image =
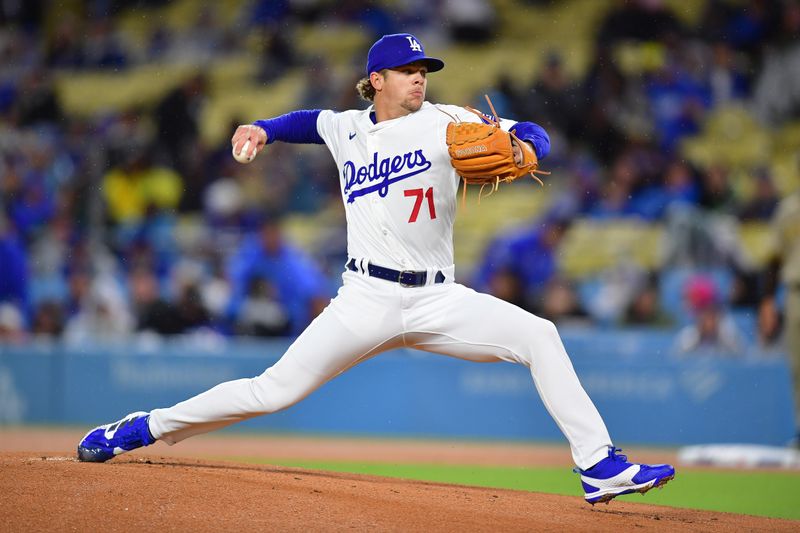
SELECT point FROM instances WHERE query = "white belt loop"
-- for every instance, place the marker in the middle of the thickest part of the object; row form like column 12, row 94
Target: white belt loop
column 431, row 278
column 449, row 273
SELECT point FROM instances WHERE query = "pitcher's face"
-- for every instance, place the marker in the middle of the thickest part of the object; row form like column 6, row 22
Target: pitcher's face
column 404, row 86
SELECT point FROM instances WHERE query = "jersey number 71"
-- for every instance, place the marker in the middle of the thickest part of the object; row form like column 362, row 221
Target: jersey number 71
column 418, row 194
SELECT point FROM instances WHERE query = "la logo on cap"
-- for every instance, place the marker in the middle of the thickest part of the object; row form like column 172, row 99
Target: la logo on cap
column 413, row 44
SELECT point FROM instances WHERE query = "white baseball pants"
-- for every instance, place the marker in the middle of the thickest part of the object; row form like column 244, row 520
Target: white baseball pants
column 370, row 316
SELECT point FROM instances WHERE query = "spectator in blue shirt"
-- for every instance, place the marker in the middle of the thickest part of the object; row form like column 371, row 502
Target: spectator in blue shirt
column 528, row 255
column 13, row 267
column 300, row 285
column 678, row 104
column 679, row 186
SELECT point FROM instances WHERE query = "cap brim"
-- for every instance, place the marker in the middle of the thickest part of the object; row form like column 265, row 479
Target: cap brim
column 432, row 63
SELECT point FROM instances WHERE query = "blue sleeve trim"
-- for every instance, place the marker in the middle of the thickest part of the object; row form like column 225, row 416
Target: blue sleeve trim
column 295, row 127
column 535, row 134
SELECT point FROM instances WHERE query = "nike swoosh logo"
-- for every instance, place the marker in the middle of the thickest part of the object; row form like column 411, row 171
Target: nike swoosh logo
column 623, row 479
column 352, row 135
column 111, row 430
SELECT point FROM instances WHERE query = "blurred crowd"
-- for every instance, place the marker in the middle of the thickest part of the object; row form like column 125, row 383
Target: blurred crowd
column 128, row 223
column 624, row 135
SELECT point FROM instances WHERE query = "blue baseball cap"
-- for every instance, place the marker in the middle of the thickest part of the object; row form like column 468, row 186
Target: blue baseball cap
column 396, row 50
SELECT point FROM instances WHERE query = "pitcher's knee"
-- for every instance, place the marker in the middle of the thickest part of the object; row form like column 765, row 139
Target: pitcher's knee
column 542, row 328
column 549, row 329
column 271, row 395
column 539, row 337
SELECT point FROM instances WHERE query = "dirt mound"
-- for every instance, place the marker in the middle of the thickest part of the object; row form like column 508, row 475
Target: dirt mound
column 54, row 492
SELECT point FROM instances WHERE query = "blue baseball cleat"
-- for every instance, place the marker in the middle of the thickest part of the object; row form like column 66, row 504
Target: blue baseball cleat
column 614, row 476
column 105, row 442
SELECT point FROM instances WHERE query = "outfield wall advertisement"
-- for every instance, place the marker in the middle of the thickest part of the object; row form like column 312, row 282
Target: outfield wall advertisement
column 646, row 395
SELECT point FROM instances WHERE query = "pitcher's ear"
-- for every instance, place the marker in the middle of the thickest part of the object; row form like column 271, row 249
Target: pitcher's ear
column 376, row 79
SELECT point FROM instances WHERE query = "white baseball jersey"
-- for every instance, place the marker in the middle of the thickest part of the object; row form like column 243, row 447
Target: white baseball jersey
column 398, row 186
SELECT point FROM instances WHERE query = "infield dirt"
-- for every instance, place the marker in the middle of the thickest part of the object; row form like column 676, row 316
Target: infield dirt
column 46, row 489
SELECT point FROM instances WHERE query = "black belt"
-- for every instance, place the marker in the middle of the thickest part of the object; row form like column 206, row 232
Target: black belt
column 406, row 278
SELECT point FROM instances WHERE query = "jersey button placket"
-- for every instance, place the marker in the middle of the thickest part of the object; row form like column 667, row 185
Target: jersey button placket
column 373, row 146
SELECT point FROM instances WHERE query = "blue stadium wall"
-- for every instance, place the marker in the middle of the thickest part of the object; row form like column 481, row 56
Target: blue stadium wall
column 646, row 395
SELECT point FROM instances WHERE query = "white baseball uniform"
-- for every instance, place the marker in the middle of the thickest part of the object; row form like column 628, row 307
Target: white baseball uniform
column 399, row 192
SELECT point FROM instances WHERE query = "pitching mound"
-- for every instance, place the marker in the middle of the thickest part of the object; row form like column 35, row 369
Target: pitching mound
column 54, row 492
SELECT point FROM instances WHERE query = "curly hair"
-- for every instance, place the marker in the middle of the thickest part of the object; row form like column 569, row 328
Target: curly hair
column 365, row 89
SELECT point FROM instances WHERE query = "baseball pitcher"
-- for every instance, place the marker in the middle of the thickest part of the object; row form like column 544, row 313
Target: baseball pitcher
column 400, row 162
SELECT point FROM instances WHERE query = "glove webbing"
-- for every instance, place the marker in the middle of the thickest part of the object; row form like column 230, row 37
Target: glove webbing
column 495, row 121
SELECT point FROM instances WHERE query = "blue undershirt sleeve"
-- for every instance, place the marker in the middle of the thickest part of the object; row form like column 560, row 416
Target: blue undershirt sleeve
column 535, row 134
column 295, row 127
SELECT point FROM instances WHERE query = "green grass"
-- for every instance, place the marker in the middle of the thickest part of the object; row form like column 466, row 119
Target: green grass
column 775, row 494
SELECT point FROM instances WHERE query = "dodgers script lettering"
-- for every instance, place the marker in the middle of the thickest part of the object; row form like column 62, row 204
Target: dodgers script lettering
column 385, row 171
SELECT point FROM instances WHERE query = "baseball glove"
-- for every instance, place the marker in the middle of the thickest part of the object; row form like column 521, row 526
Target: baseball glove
column 483, row 154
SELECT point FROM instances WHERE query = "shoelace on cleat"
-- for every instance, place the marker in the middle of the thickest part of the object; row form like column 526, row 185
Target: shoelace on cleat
column 612, row 454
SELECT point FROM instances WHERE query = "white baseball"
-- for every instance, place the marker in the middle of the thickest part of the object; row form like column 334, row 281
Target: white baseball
column 241, row 157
